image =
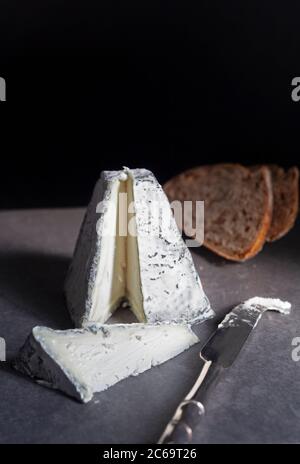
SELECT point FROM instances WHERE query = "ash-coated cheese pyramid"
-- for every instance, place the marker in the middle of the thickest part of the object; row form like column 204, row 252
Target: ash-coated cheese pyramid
column 146, row 263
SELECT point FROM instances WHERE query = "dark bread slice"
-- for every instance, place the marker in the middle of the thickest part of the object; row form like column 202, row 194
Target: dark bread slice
column 286, row 201
column 238, row 206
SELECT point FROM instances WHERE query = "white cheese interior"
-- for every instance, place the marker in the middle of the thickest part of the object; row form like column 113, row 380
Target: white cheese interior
column 110, row 281
column 118, row 274
column 99, row 356
column 133, row 277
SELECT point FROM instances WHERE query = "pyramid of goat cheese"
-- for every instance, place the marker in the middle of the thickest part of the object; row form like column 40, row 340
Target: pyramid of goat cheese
column 80, row 362
column 150, row 265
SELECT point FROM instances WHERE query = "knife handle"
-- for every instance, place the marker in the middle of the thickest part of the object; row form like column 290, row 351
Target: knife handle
column 180, row 428
column 190, row 411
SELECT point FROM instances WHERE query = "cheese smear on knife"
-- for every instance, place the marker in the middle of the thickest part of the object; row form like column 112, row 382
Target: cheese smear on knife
column 150, row 266
column 81, row 362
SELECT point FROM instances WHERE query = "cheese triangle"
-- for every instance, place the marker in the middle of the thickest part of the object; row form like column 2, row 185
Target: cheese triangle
column 81, row 362
column 130, row 255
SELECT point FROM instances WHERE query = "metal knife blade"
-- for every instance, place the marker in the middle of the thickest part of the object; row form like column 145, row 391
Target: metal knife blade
column 219, row 352
column 227, row 341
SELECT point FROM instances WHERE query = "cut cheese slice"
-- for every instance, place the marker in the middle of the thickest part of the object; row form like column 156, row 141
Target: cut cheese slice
column 149, row 265
column 81, row 362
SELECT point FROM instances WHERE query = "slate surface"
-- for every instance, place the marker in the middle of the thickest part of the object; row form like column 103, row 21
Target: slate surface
column 258, row 399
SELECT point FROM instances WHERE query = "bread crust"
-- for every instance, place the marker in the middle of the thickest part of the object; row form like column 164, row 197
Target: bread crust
column 286, row 201
column 257, row 244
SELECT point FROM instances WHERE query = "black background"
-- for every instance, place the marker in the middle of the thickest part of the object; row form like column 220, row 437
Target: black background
column 163, row 85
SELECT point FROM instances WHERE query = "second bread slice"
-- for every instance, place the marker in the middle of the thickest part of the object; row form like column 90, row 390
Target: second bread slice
column 286, row 201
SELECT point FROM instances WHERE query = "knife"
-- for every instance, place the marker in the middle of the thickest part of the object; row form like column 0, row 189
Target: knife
column 218, row 354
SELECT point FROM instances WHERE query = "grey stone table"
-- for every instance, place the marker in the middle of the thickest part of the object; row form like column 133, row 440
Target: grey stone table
column 258, row 399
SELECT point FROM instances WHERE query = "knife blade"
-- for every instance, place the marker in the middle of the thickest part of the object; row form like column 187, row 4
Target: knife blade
column 218, row 354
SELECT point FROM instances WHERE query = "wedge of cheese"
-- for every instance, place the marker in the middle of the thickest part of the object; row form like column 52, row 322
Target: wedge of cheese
column 81, row 362
column 129, row 247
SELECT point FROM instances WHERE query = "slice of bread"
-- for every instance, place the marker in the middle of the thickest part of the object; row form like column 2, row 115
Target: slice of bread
column 238, row 206
column 286, row 201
